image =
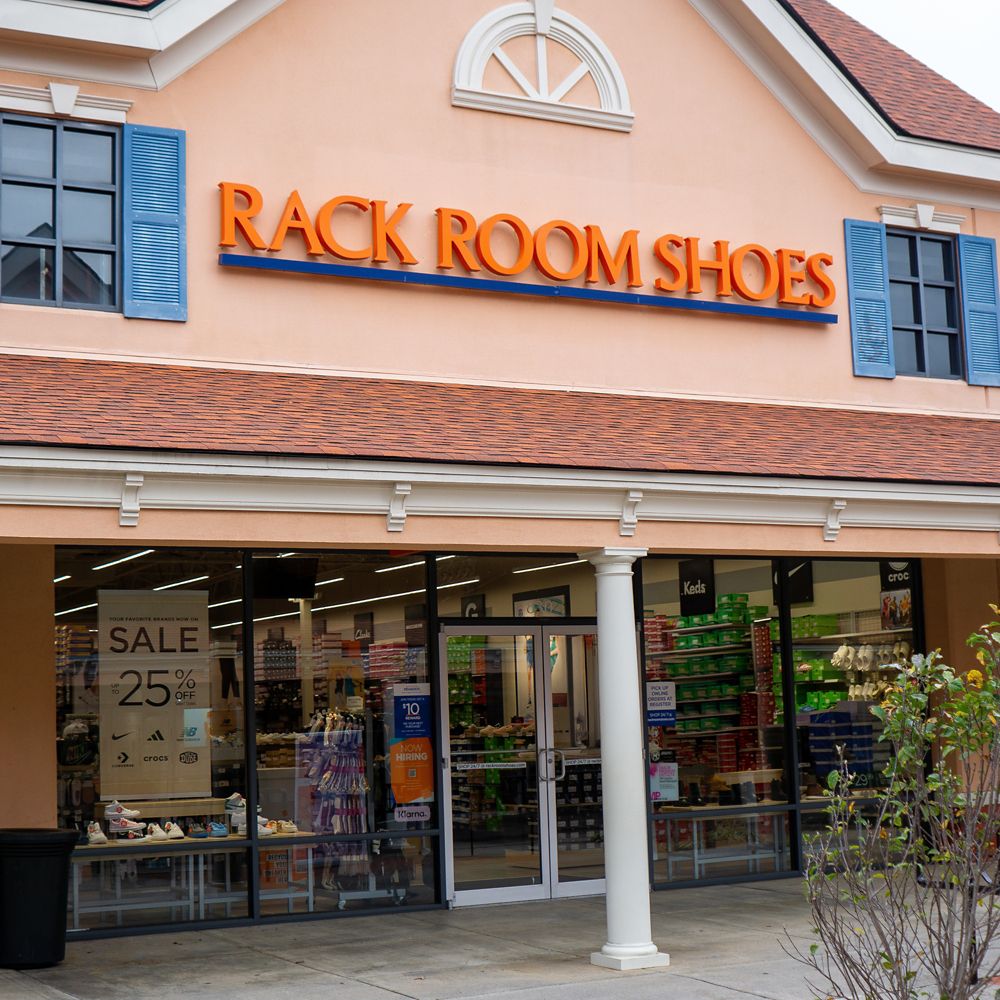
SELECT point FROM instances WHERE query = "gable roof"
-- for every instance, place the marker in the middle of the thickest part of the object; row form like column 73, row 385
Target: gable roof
column 912, row 98
column 83, row 403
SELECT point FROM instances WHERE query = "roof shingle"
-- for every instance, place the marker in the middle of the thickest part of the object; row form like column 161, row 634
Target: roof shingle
column 70, row 402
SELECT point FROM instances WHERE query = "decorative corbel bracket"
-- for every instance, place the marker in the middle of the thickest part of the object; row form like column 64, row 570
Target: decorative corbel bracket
column 396, row 519
column 630, row 513
column 832, row 527
column 128, row 509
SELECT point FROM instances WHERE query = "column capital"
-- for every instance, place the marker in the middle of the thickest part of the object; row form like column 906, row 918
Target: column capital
column 614, row 556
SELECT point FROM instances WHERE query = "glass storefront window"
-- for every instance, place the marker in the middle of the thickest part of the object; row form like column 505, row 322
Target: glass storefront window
column 717, row 757
column 149, row 733
column 344, row 727
column 851, row 622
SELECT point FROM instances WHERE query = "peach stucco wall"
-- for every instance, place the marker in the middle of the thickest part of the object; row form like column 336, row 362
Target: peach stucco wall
column 957, row 595
column 353, row 97
column 28, row 682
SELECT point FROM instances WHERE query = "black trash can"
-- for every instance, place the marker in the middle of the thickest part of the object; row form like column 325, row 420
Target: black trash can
column 34, row 881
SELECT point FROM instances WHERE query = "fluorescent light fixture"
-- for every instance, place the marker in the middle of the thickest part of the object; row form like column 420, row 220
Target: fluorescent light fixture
column 124, row 559
column 538, row 569
column 410, row 565
column 182, row 583
column 323, row 583
column 351, row 604
column 82, row 607
column 444, row 558
column 285, row 555
column 59, row 579
column 222, row 604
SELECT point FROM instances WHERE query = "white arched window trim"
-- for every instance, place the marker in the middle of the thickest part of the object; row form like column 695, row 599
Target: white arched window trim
column 542, row 99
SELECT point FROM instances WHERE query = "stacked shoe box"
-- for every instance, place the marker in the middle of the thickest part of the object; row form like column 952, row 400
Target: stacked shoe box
column 580, row 822
column 827, row 731
column 386, row 659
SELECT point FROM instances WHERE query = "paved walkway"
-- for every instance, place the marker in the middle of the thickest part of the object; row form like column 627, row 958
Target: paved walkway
column 723, row 943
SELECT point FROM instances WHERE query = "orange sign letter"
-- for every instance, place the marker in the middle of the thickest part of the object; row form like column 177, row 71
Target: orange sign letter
column 525, row 244
column 234, row 218
column 767, row 262
column 814, row 267
column 384, row 233
column 627, row 255
column 664, row 255
column 296, row 217
column 324, row 219
column 579, row 242
column 449, row 241
column 720, row 264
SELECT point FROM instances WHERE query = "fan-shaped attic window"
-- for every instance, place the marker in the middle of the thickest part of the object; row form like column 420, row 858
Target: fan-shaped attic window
column 534, row 60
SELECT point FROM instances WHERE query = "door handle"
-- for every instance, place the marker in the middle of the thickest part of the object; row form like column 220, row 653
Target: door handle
column 543, row 772
column 562, row 765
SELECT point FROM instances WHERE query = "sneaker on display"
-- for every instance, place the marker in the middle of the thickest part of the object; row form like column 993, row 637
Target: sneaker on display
column 173, row 831
column 95, row 835
column 113, row 809
column 268, row 829
column 236, row 803
column 197, row 830
column 156, row 832
column 238, row 818
column 134, row 837
column 120, row 824
column 287, row 826
column 241, row 829
column 217, row 830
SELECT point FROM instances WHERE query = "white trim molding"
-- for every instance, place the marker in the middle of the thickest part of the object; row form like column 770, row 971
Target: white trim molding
column 401, row 491
column 920, row 216
column 831, row 109
column 539, row 97
column 76, row 40
column 64, row 100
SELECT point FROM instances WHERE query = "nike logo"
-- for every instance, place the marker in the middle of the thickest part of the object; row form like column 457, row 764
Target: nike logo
column 120, row 736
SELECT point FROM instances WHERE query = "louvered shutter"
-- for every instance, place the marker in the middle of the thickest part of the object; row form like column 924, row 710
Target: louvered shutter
column 868, row 299
column 977, row 267
column 154, row 250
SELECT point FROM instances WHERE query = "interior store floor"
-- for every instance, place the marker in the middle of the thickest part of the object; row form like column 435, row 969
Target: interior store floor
column 724, row 944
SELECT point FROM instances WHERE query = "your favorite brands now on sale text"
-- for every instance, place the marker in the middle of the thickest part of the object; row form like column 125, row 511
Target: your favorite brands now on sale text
column 506, row 245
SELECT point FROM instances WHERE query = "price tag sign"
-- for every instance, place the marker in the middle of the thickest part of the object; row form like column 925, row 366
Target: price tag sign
column 154, row 694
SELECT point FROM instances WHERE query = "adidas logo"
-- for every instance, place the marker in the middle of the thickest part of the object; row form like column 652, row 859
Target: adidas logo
column 156, row 737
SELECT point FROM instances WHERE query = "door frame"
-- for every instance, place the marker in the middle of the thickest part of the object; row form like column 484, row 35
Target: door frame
column 549, row 887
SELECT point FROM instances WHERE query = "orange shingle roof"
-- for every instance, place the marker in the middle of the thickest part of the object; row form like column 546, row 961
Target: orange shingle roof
column 910, row 96
column 57, row 401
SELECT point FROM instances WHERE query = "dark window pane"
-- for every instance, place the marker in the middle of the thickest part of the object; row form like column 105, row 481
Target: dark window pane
column 26, row 272
column 26, row 150
column 936, row 260
column 88, row 217
column 88, row 156
column 902, row 255
column 908, row 354
column 942, row 355
column 26, row 211
column 89, row 277
column 905, row 303
column 940, row 306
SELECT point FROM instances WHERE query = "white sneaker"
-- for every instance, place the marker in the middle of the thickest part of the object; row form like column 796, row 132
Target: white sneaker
column 238, row 818
column 267, row 829
column 122, row 825
column 287, row 826
column 236, row 803
column 116, row 809
column 156, row 832
column 95, row 835
column 134, row 837
column 173, row 831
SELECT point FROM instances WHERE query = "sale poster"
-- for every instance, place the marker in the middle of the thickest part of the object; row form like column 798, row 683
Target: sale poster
column 154, row 692
column 664, row 784
column 411, row 754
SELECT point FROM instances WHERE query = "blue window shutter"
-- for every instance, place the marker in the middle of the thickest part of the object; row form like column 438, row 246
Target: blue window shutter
column 868, row 299
column 155, row 240
column 977, row 268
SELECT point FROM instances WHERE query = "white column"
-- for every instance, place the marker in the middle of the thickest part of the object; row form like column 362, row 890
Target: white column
column 626, row 852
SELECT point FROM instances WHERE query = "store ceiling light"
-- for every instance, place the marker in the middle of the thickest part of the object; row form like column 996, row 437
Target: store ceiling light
column 410, row 565
column 285, row 555
column 59, row 579
column 222, row 604
column 182, row 583
column 323, row 583
column 351, row 604
column 82, row 607
column 124, row 559
column 538, row 569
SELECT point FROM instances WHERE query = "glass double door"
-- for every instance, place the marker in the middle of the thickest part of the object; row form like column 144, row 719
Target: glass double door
column 521, row 763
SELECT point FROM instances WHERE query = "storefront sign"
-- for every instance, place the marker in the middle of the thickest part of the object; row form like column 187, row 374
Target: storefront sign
column 558, row 250
column 661, row 703
column 153, row 650
column 364, row 628
column 697, row 586
column 896, row 598
column 411, row 755
column 895, row 575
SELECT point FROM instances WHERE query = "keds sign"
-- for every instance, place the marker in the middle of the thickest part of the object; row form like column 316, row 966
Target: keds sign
column 506, row 245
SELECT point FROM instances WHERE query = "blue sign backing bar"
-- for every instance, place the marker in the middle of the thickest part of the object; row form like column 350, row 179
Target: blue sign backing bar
column 516, row 288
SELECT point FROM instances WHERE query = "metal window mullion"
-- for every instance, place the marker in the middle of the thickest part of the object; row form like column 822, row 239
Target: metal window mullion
column 923, row 307
column 57, row 263
column 250, row 737
column 117, row 169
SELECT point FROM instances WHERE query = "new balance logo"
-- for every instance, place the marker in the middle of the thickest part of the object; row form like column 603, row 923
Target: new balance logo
column 156, row 737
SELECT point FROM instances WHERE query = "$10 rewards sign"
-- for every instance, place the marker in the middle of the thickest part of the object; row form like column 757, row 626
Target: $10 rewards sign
column 154, row 694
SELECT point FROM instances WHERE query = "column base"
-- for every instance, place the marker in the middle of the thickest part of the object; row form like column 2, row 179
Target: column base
column 628, row 963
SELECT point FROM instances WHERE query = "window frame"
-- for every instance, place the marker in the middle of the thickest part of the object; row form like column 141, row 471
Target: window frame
column 923, row 329
column 58, row 186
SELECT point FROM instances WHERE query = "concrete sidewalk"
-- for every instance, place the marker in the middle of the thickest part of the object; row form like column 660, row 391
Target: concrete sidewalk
column 723, row 943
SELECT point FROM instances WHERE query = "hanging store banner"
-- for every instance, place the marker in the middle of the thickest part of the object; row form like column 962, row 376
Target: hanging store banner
column 411, row 755
column 697, row 586
column 155, row 695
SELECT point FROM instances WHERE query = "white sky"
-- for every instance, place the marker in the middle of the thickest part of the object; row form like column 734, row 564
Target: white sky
column 957, row 38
